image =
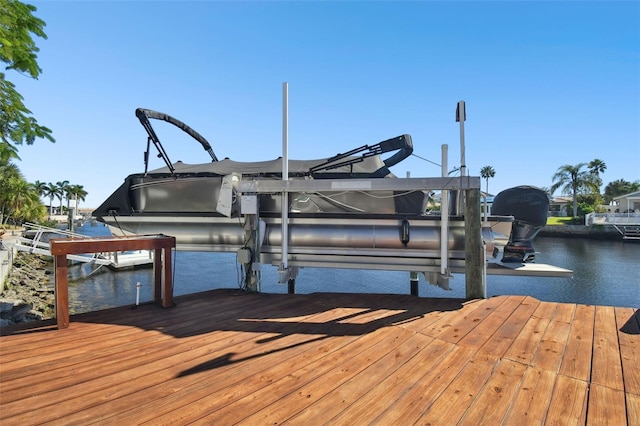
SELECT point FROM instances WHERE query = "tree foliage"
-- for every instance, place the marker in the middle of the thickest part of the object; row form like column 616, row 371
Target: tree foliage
column 619, row 187
column 19, row 200
column 18, row 51
column 597, row 167
column 574, row 180
column 76, row 192
column 487, row 172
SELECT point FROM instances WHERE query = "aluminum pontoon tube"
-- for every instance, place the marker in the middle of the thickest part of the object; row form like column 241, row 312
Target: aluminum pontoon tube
column 308, row 234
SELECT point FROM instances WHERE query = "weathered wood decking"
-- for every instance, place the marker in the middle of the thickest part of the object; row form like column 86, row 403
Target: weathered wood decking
column 226, row 357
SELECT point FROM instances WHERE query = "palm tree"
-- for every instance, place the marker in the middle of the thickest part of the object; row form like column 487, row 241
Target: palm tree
column 9, row 174
column 22, row 199
column 77, row 192
column 597, row 167
column 18, row 198
column 572, row 180
column 40, row 187
column 61, row 191
column 50, row 191
column 33, row 211
column 487, row 172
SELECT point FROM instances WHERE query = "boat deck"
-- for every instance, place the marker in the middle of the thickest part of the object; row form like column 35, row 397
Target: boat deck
column 228, row 357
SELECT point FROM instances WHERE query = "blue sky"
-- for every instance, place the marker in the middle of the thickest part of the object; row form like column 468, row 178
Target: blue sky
column 545, row 84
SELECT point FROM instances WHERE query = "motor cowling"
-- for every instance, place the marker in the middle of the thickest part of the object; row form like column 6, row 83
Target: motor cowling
column 529, row 206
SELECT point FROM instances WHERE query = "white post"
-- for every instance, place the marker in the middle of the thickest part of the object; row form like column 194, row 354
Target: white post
column 444, row 216
column 461, row 116
column 138, row 285
column 486, row 206
column 285, row 177
column 414, row 278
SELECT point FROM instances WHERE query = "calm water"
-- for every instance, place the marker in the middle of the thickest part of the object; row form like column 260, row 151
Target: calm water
column 605, row 273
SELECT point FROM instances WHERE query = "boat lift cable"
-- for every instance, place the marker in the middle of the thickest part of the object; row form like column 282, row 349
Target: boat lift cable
column 455, row 170
column 115, row 219
column 427, row 160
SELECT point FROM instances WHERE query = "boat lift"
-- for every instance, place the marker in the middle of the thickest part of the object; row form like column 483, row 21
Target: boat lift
column 268, row 215
column 436, row 247
column 378, row 242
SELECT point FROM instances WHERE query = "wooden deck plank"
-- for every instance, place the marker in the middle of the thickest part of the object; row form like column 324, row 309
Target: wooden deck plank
column 162, row 395
column 496, row 396
column 24, row 346
column 452, row 328
column 633, row 409
column 532, row 399
column 100, row 376
column 550, row 351
column 628, row 323
column 486, row 327
column 59, row 401
column 565, row 312
column 90, row 354
column 254, row 348
column 336, row 396
column 606, row 403
column 568, row 402
column 228, row 356
column 195, row 399
column 393, row 388
column 422, row 393
column 575, row 362
column 628, row 320
column 450, row 406
column 295, row 399
column 607, row 366
column 526, row 343
column 440, row 309
column 511, row 328
column 271, row 399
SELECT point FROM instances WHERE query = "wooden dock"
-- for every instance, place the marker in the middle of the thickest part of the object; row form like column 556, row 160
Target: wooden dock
column 227, row 357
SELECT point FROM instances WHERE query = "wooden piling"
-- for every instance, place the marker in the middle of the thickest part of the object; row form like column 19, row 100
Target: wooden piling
column 474, row 259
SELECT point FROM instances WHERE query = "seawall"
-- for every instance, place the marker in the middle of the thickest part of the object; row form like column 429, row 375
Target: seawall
column 7, row 254
column 596, row 232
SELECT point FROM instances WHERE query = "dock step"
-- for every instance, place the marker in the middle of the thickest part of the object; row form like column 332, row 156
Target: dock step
column 631, row 232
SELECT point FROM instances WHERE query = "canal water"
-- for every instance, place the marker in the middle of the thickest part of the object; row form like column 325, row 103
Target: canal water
column 604, row 273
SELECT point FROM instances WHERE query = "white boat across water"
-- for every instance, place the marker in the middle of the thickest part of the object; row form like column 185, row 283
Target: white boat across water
column 35, row 239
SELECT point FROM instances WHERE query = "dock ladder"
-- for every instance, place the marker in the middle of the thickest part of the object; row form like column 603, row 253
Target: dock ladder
column 629, row 232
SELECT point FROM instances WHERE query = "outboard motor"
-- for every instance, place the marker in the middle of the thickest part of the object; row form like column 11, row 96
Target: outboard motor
column 529, row 206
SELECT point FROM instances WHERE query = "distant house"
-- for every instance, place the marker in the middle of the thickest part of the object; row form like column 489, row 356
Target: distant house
column 628, row 203
column 560, row 206
column 625, row 210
